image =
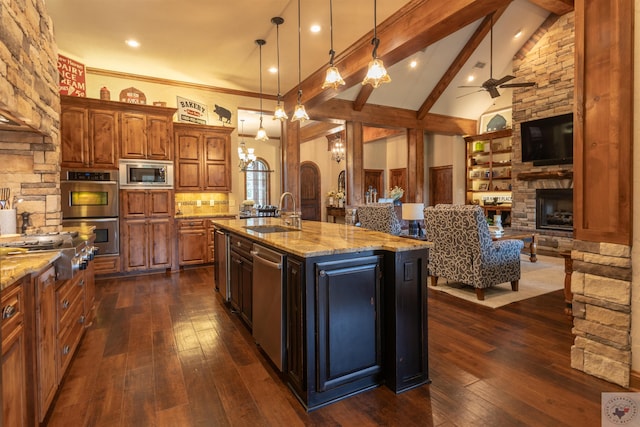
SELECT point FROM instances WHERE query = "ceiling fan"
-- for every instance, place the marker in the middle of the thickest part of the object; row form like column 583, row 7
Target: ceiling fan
column 491, row 85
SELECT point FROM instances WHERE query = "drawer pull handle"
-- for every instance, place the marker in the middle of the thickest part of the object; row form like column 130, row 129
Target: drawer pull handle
column 81, row 283
column 323, row 273
column 65, row 350
column 81, row 320
column 8, row 312
column 65, row 303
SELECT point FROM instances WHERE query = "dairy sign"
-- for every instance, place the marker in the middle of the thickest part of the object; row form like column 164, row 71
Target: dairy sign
column 72, row 77
column 191, row 111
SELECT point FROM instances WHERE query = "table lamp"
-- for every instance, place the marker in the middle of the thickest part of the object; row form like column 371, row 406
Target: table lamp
column 413, row 212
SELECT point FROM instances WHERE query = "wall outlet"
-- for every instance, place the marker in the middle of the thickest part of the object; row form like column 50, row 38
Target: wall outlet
column 211, row 203
column 198, row 203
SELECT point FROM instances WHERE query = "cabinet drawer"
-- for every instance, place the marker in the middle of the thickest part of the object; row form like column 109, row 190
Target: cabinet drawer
column 69, row 338
column 12, row 302
column 191, row 223
column 68, row 297
column 241, row 245
column 106, row 264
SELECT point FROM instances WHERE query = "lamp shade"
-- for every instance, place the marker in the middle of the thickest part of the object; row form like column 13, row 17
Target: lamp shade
column 412, row 211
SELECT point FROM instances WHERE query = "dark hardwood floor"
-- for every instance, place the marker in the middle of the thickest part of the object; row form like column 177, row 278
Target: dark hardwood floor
column 165, row 351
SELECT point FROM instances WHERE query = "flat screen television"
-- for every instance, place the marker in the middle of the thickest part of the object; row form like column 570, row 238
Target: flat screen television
column 548, row 141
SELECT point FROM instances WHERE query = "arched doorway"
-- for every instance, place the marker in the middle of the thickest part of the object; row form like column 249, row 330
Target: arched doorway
column 310, row 202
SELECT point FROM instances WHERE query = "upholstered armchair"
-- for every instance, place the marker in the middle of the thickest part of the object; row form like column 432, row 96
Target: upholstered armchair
column 464, row 252
column 379, row 217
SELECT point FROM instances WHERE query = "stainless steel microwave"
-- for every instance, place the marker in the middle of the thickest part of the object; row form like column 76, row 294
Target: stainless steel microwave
column 146, row 174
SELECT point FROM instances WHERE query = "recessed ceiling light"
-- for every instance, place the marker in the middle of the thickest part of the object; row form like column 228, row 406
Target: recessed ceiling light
column 132, row 43
column 518, row 34
column 413, row 63
column 471, row 78
column 315, row 28
column 273, row 70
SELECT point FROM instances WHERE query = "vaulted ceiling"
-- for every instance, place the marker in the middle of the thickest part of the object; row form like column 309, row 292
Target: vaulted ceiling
column 213, row 43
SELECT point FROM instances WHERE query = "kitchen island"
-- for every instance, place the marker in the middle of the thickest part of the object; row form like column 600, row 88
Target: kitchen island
column 354, row 308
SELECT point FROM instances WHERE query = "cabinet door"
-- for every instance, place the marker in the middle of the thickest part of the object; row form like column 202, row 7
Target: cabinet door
column 159, row 203
column 217, row 171
column 246, row 291
column 188, row 160
column 45, row 340
column 134, row 136
column 74, row 132
column 235, row 275
column 89, row 293
column 192, row 246
column 348, row 321
column 133, row 203
column 135, row 253
column 160, row 242
column 14, row 378
column 159, row 131
column 103, row 138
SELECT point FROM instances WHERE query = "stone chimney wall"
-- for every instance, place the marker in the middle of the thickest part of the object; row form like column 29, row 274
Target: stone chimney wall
column 549, row 63
column 29, row 93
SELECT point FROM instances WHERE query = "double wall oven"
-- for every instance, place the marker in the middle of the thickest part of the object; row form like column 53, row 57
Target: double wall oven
column 90, row 198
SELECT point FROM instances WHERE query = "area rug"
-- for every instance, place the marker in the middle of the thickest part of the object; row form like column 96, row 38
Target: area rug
column 537, row 278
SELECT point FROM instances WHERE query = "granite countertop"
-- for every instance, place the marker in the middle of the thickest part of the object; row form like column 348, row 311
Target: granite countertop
column 321, row 238
column 204, row 215
column 15, row 267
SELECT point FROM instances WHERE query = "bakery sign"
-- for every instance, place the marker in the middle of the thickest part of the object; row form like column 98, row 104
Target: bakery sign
column 191, row 111
column 72, row 77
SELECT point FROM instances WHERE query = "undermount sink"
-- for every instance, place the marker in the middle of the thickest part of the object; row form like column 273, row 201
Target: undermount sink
column 269, row 228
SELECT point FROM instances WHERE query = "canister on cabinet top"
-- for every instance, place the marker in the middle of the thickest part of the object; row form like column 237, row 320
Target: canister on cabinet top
column 105, row 94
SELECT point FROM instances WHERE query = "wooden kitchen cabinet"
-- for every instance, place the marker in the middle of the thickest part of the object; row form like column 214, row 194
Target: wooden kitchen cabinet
column 70, row 319
column 146, row 229
column 15, row 386
column 45, row 340
column 241, row 277
column 146, row 136
column 89, row 135
column 192, row 241
column 96, row 133
column 202, row 157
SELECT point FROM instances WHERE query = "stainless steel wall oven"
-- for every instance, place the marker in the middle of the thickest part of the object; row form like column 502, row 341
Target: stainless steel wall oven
column 90, row 198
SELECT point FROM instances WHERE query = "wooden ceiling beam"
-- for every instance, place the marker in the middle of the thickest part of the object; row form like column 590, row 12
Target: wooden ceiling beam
column 363, row 97
column 370, row 134
column 316, row 130
column 457, row 64
column 559, row 7
column 391, row 117
column 415, row 26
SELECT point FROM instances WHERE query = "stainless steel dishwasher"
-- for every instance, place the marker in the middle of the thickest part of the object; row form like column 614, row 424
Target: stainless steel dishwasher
column 268, row 325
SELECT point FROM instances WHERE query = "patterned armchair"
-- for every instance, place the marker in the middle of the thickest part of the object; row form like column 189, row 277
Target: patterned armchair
column 379, row 217
column 463, row 250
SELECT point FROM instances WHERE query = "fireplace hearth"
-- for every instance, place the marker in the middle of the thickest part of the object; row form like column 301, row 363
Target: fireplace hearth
column 554, row 209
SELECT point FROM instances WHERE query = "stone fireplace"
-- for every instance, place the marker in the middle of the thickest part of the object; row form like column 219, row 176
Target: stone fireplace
column 554, row 209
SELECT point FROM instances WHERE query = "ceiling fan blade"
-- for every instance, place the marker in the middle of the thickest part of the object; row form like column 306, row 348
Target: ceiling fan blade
column 524, row 84
column 470, row 93
column 504, row 80
column 493, row 92
column 475, row 87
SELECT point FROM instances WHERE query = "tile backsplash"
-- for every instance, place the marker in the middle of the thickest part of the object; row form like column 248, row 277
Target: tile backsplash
column 201, row 203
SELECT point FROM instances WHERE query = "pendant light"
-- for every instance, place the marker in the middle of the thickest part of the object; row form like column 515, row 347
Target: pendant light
column 262, row 134
column 376, row 74
column 299, row 114
column 333, row 78
column 246, row 155
column 279, row 113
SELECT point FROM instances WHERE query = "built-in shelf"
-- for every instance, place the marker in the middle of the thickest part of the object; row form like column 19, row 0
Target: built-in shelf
column 532, row 176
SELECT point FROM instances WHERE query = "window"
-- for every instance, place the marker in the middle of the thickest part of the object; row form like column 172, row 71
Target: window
column 256, row 186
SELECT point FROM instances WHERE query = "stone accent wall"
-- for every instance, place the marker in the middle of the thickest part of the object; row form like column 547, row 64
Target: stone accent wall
column 29, row 92
column 550, row 63
column 601, row 286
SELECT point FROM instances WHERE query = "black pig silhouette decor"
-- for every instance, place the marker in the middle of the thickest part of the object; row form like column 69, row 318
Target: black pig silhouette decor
column 224, row 115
